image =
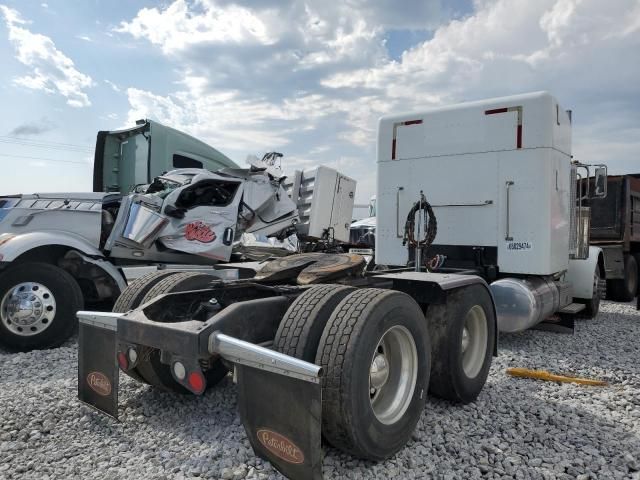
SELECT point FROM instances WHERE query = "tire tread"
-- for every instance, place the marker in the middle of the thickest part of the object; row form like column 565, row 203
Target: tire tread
column 295, row 322
column 331, row 356
column 131, row 296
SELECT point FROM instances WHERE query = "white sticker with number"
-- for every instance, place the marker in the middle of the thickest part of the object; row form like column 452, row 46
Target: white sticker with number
column 518, row 246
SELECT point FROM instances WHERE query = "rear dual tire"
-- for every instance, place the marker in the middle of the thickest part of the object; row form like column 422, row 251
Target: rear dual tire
column 301, row 327
column 463, row 333
column 149, row 368
column 375, row 351
column 375, row 354
column 132, row 297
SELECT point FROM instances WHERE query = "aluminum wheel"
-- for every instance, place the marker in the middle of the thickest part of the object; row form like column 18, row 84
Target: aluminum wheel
column 27, row 309
column 392, row 374
column 474, row 341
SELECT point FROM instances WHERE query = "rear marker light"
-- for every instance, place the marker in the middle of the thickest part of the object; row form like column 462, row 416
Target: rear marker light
column 395, row 134
column 196, row 382
column 133, row 355
column 179, row 371
column 517, row 109
column 122, row 361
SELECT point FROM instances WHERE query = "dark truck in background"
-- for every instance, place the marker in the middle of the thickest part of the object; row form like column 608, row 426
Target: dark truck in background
column 615, row 227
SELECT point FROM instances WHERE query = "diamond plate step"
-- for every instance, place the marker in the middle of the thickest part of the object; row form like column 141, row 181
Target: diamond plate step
column 572, row 308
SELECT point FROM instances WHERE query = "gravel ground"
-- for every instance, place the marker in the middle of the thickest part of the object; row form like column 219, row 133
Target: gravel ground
column 517, row 428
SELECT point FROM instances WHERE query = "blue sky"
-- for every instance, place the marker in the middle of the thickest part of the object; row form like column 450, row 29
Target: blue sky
column 308, row 79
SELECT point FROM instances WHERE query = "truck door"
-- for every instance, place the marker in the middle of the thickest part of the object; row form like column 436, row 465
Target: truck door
column 203, row 217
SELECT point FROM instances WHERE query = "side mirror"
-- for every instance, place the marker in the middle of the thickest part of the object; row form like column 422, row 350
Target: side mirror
column 600, row 182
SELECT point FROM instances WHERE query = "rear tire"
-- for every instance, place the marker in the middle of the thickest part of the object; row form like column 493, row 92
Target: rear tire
column 301, row 327
column 38, row 306
column 370, row 406
column 463, row 338
column 625, row 289
column 150, row 368
column 132, row 296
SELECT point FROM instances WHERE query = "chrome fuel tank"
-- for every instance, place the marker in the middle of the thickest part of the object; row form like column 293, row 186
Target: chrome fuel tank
column 522, row 303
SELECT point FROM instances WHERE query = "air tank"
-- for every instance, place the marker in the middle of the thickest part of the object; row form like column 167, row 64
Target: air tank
column 522, row 303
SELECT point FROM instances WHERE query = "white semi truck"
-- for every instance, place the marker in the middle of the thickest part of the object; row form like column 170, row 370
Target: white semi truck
column 321, row 348
column 500, row 177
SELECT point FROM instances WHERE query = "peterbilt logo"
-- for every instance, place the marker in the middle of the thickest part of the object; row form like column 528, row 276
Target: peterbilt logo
column 200, row 232
column 280, row 446
column 99, row 383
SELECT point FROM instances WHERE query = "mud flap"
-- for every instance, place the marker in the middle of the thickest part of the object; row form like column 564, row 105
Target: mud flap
column 97, row 365
column 282, row 418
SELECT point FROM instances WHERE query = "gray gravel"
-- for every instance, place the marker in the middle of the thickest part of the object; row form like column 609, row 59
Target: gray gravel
column 517, row 429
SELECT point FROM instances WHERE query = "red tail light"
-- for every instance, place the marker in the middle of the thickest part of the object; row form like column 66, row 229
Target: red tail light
column 196, row 382
column 123, row 361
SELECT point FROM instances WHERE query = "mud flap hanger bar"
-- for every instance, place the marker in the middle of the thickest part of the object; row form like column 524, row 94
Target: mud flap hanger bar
column 245, row 353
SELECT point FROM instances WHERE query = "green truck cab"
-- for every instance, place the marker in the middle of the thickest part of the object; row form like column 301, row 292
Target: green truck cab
column 134, row 156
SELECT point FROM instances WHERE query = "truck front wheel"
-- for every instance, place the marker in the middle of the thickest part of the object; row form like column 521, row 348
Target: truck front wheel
column 592, row 305
column 462, row 337
column 38, row 305
column 375, row 354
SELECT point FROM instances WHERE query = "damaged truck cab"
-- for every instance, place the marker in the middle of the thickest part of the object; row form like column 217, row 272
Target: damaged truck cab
column 56, row 255
column 161, row 198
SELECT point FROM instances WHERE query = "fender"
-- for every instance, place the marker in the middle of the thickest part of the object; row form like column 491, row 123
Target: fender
column 13, row 245
column 428, row 287
column 580, row 273
column 102, row 263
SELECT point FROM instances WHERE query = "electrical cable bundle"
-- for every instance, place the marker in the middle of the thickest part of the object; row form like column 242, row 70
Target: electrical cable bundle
column 430, row 224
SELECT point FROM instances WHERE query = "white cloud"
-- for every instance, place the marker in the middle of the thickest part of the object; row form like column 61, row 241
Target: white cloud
column 51, row 70
column 313, row 78
column 113, row 86
column 177, row 27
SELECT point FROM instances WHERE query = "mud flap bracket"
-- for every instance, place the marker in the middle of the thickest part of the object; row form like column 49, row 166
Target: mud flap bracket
column 282, row 418
column 280, row 403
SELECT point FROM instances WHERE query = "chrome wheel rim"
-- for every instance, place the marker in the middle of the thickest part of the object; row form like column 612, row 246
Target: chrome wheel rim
column 393, row 373
column 474, row 341
column 27, row 309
